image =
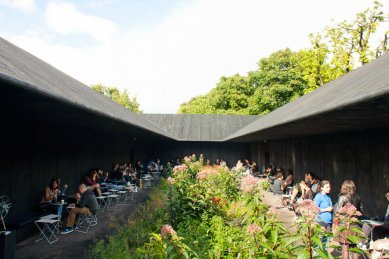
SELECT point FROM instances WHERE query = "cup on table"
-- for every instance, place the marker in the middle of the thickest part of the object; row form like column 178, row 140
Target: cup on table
column 62, row 201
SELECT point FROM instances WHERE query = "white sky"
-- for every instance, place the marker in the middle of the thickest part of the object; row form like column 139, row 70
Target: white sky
column 165, row 52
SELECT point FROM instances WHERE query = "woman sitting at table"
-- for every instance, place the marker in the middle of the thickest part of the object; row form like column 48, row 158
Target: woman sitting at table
column 90, row 181
column 49, row 196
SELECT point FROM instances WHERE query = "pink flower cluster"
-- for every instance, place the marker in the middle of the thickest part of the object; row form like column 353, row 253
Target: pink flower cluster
column 207, row 170
column 248, row 183
column 179, row 168
column 170, row 180
column 349, row 210
column 167, row 229
column 307, row 208
column 189, row 159
column 253, row 228
column 201, row 175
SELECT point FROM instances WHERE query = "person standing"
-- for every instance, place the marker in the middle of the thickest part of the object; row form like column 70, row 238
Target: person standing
column 348, row 195
column 324, row 203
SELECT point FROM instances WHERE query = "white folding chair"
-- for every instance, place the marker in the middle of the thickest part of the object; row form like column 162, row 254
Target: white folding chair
column 113, row 200
column 85, row 222
column 48, row 227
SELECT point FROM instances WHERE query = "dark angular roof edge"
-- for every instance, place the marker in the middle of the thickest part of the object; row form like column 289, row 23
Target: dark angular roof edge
column 361, row 85
column 24, row 70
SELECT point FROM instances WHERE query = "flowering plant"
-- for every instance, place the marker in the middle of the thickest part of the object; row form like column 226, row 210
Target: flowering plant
column 249, row 184
column 310, row 232
column 166, row 245
column 346, row 228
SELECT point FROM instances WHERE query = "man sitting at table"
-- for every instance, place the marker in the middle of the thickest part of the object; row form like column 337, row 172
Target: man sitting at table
column 87, row 205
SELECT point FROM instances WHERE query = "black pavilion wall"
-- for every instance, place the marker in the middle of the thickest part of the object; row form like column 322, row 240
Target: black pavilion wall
column 34, row 153
column 230, row 152
column 359, row 156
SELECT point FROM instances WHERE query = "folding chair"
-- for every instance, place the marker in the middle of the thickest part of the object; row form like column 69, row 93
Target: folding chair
column 122, row 197
column 102, row 202
column 85, row 222
column 48, row 227
column 113, row 200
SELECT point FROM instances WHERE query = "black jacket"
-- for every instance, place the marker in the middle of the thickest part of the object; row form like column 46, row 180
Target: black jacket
column 344, row 199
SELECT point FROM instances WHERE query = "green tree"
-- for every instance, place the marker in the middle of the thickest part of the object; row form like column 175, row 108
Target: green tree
column 120, row 97
column 279, row 80
column 230, row 96
column 348, row 39
column 197, row 105
column 314, row 64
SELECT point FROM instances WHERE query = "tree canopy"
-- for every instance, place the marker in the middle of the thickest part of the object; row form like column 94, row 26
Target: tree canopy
column 286, row 75
column 120, row 97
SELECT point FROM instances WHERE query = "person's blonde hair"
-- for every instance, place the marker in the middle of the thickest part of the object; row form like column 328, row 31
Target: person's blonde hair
column 348, row 188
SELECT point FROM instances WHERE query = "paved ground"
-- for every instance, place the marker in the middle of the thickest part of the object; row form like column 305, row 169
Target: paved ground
column 75, row 245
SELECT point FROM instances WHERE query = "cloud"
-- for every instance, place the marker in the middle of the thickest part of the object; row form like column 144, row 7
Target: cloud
column 24, row 5
column 64, row 18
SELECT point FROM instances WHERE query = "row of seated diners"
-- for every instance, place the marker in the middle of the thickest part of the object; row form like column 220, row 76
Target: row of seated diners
column 62, row 213
column 376, row 228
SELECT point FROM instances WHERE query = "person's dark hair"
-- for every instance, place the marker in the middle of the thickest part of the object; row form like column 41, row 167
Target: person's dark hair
column 54, row 180
column 92, row 172
column 289, row 171
column 348, row 188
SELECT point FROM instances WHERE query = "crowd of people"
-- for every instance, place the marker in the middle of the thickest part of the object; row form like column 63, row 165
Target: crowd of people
column 319, row 191
column 84, row 201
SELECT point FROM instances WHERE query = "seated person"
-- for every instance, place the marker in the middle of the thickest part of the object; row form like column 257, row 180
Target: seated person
column 378, row 229
column 139, row 168
column 300, row 192
column 277, row 185
column 288, row 181
column 270, row 171
column 153, row 167
column 90, row 182
column 87, row 205
column 306, row 194
column 49, row 196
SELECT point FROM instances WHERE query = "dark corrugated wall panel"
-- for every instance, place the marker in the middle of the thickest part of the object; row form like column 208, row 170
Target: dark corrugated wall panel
column 358, row 156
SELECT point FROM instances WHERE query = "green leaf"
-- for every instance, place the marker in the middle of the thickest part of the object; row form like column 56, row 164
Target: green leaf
column 318, row 242
column 354, row 239
column 292, row 240
column 274, row 236
column 358, row 230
